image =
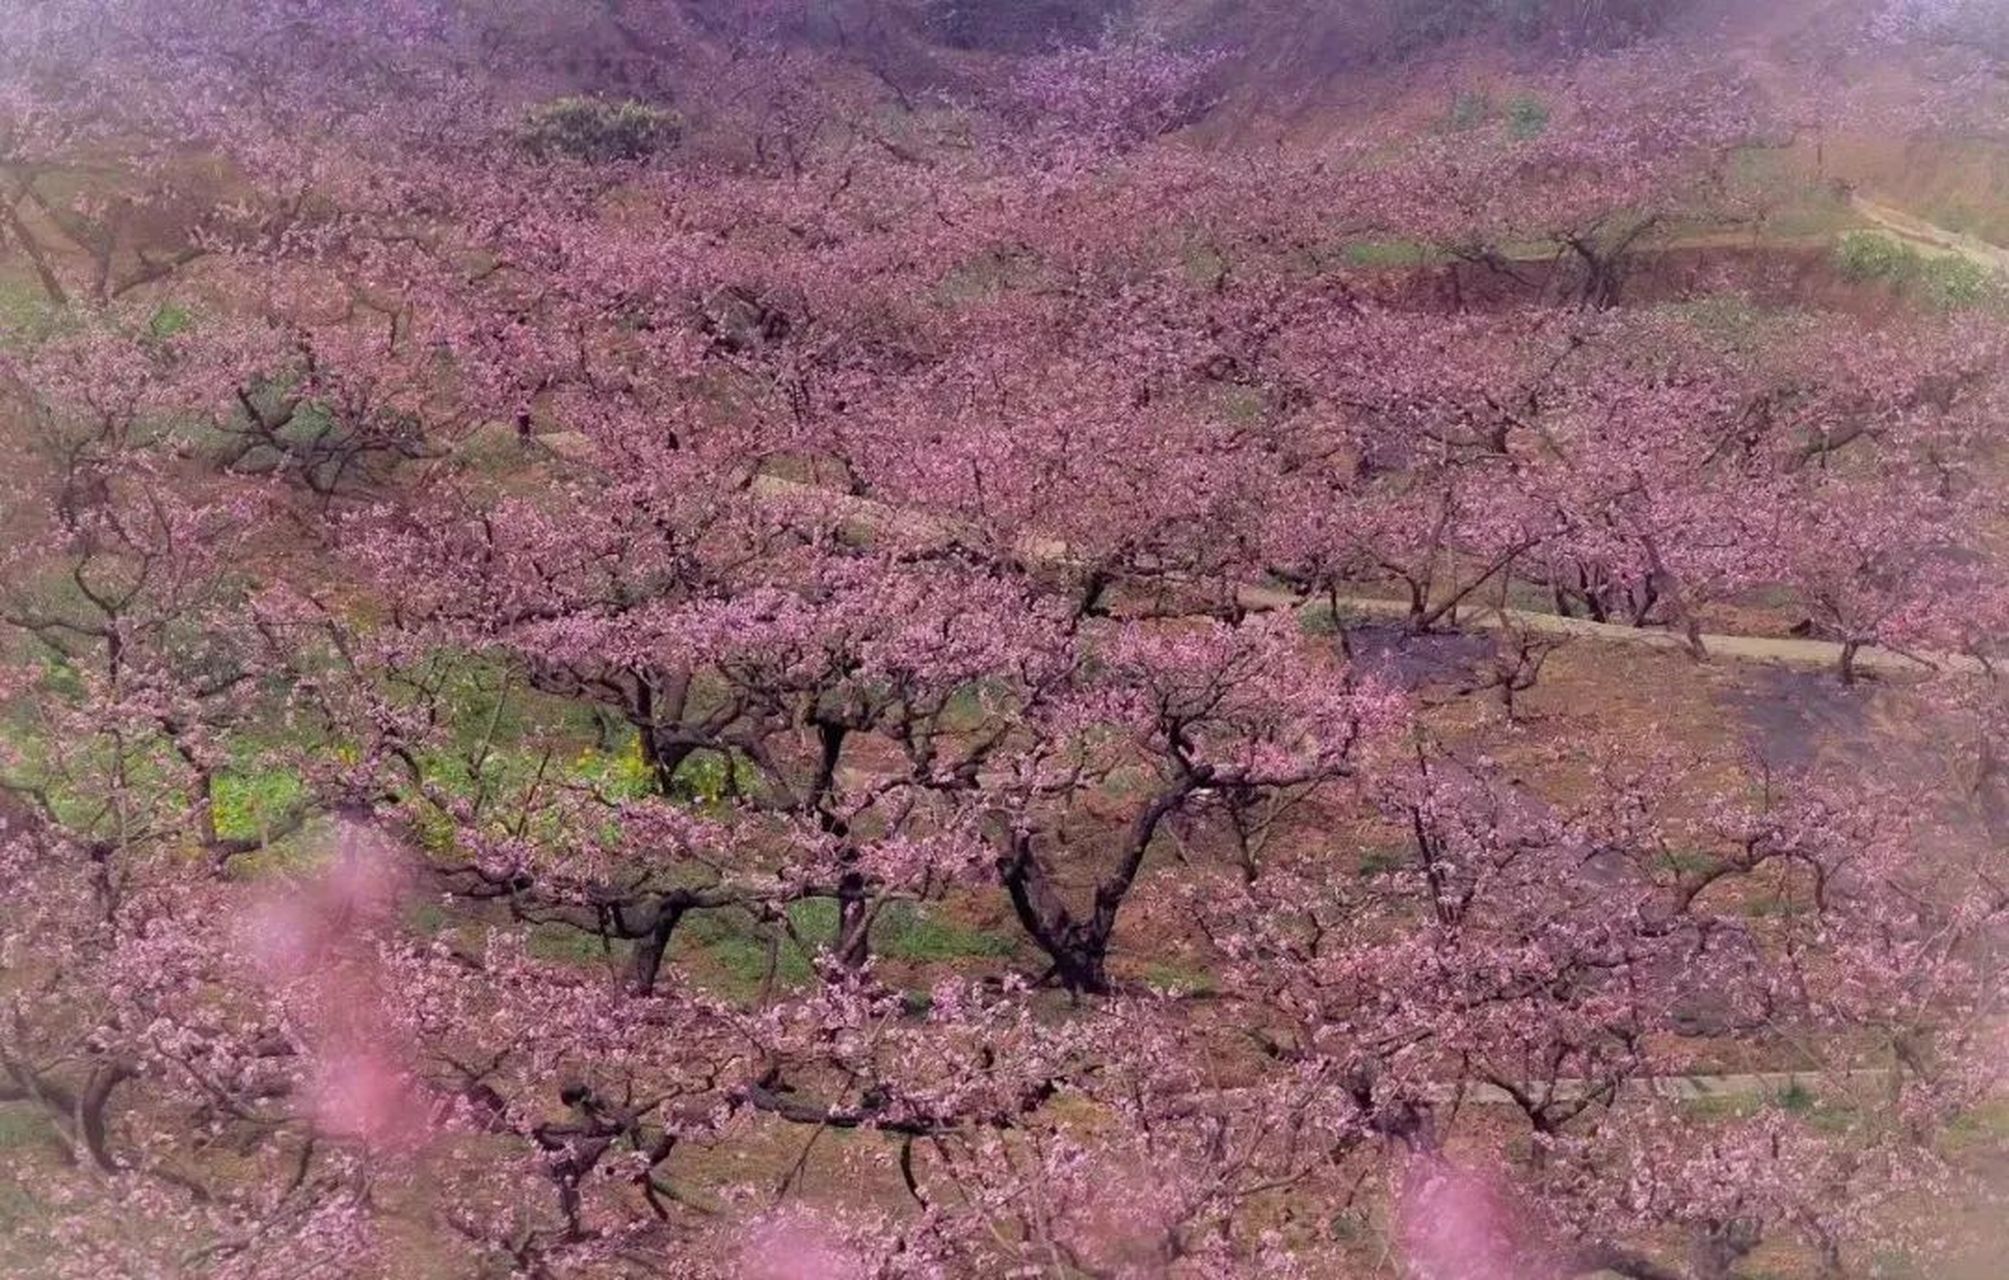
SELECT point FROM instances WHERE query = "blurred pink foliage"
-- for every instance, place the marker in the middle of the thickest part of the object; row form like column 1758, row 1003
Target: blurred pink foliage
column 1459, row 1224
column 793, row 1245
column 314, row 941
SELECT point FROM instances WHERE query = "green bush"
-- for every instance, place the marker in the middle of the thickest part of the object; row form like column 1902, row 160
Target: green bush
column 1869, row 255
column 1945, row 283
column 1951, row 283
column 596, row 130
column 1795, row 1097
column 1527, row 116
column 169, row 319
column 617, row 775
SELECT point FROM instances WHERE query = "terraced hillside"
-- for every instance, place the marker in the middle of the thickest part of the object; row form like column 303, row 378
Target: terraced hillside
column 1081, row 639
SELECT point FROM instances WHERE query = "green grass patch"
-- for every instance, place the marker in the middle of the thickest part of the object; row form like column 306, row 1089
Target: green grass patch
column 1767, row 908
column 1984, row 1127
column 620, row 775
column 917, row 933
column 702, row 779
column 567, row 945
column 1796, row 1098
column 1896, row 1264
column 1179, row 978
column 1392, row 255
column 1380, row 862
column 22, row 1126
column 251, row 805
column 1816, row 214
column 728, row 952
column 1733, row 1106
column 1687, row 862
column 494, row 449
column 924, row 935
column 1991, row 223
column 815, row 919
column 25, row 311
column 427, row 919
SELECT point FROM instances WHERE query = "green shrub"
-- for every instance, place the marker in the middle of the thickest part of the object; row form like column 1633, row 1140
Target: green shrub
column 1946, row 283
column 595, row 130
column 1951, row 283
column 1869, row 255
column 1527, row 116
column 169, row 319
column 702, row 779
column 617, row 775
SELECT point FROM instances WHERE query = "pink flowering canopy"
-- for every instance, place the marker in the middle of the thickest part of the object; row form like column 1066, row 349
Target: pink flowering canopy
column 732, row 640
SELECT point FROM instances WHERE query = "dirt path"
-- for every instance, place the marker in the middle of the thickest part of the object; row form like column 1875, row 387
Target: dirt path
column 1696, row 1088
column 1805, row 654
column 1929, row 238
column 1826, row 1087
column 1761, row 52
column 1746, row 238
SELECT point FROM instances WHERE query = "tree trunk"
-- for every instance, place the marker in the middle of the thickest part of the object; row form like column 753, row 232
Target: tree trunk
column 647, row 960
column 1078, row 955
